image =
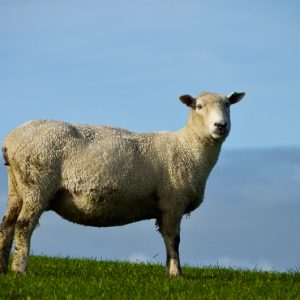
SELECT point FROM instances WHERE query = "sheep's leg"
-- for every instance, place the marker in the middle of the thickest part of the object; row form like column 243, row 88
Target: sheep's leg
column 7, row 227
column 28, row 218
column 169, row 227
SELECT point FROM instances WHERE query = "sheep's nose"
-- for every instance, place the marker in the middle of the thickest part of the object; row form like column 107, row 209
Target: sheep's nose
column 221, row 126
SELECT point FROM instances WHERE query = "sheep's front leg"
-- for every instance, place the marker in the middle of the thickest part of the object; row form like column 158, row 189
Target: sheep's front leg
column 169, row 227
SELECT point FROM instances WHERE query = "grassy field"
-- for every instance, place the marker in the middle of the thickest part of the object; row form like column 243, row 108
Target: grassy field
column 58, row 278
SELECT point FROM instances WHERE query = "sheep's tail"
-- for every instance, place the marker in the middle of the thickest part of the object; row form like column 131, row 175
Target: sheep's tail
column 5, row 156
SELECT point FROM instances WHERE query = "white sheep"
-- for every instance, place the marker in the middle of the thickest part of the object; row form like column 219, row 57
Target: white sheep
column 102, row 176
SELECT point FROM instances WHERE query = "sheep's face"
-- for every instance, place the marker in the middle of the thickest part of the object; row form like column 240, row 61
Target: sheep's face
column 212, row 112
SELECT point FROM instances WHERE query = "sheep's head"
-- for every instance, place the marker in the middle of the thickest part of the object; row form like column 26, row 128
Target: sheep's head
column 212, row 112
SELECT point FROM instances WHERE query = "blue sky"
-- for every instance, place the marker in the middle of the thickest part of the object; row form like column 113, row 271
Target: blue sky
column 124, row 63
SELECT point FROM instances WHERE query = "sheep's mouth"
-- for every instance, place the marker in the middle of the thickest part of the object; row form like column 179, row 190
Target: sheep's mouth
column 220, row 133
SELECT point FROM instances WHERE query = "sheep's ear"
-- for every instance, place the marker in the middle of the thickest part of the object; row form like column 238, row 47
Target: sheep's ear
column 235, row 97
column 188, row 100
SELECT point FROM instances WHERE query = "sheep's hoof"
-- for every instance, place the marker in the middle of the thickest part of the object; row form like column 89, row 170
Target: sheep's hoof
column 175, row 274
column 174, row 268
column 20, row 270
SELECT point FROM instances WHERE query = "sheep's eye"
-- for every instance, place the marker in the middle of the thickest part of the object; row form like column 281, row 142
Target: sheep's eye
column 227, row 104
column 199, row 106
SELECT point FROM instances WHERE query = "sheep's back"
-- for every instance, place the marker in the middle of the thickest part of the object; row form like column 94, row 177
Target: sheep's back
column 84, row 157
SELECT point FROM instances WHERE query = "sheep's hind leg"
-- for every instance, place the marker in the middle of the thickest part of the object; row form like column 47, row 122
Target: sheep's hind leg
column 31, row 211
column 169, row 227
column 7, row 227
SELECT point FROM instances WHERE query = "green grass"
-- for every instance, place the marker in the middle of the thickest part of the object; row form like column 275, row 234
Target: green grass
column 58, row 278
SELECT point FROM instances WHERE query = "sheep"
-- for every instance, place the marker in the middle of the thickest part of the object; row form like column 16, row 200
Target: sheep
column 104, row 176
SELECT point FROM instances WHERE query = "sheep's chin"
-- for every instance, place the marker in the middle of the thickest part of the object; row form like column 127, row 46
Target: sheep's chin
column 217, row 136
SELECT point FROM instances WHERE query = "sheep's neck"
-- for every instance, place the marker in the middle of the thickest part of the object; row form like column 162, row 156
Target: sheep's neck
column 203, row 149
